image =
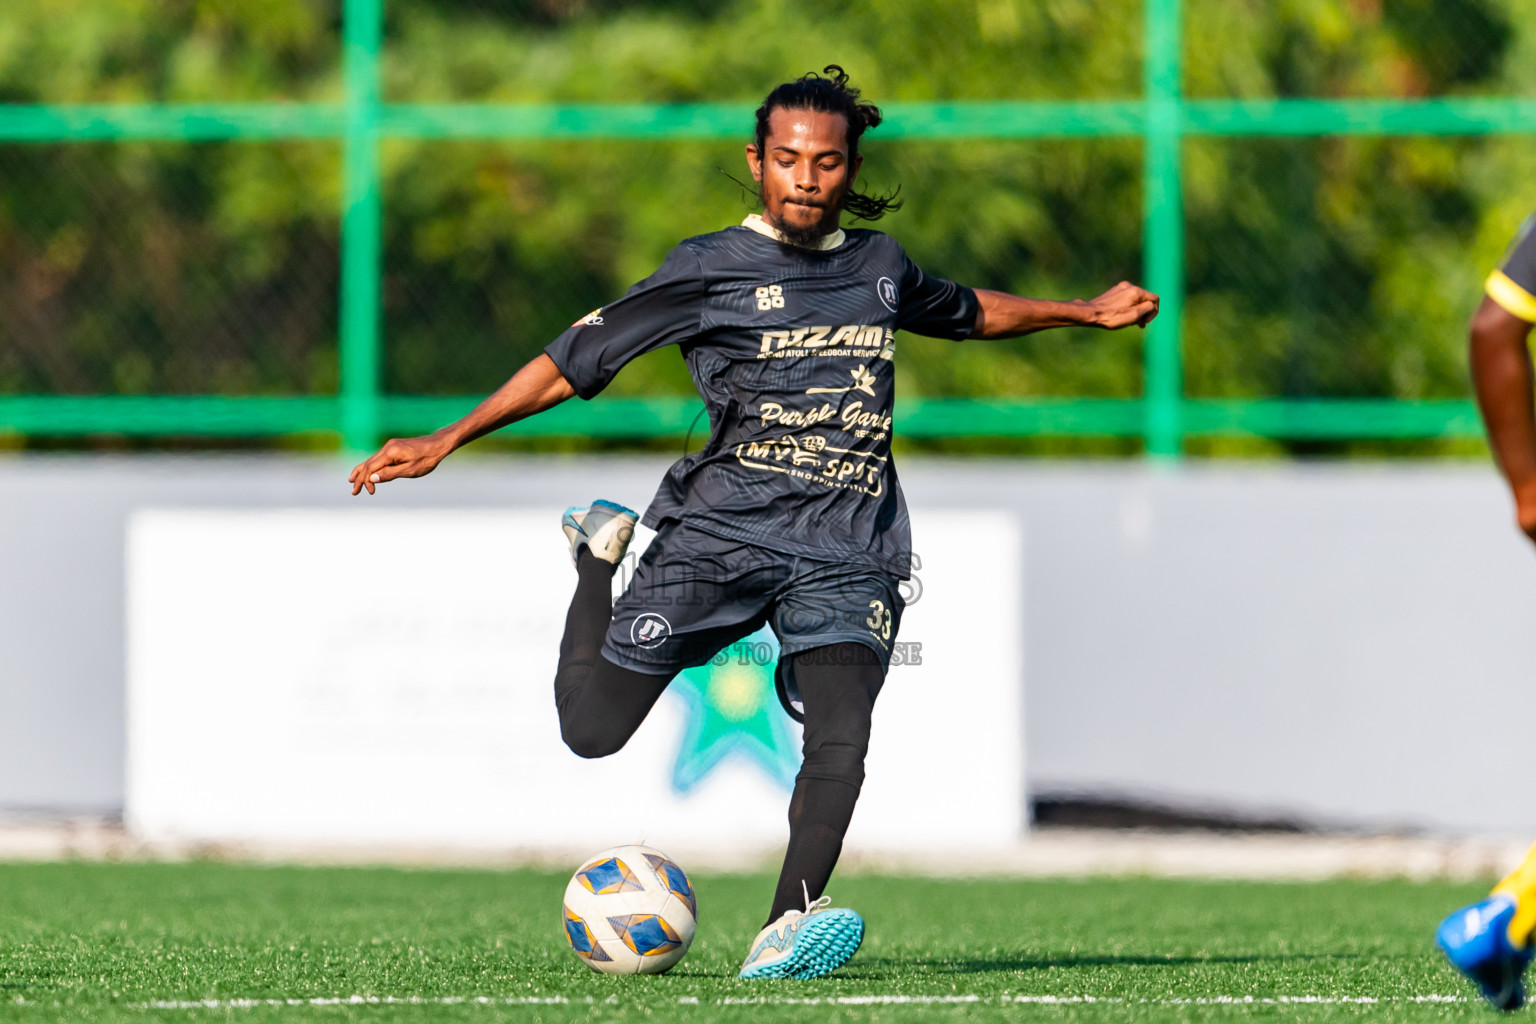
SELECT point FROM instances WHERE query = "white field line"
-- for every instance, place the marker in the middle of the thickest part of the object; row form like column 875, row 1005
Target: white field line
column 868, row 1000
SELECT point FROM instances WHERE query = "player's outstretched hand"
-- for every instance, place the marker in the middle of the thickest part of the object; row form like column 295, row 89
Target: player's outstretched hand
column 413, row 456
column 1123, row 305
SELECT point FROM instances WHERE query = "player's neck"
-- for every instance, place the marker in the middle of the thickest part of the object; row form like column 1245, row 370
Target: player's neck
column 831, row 240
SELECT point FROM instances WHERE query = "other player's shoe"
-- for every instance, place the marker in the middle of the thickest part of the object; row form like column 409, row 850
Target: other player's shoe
column 1476, row 940
column 604, row 527
column 805, row 944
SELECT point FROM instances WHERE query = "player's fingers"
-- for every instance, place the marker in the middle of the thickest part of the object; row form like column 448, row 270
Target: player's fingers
column 1135, row 296
column 392, row 454
column 362, row 474
column 400, row 465
column 393, row 461
column 1127, row 315
column 377, row 469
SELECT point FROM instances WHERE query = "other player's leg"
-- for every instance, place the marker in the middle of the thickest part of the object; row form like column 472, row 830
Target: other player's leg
column 601, row 704
column 805, row 938
column 1490, row 941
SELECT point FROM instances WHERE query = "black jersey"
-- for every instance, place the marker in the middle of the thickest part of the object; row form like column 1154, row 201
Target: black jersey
column 1513, row 285
column 791, row 349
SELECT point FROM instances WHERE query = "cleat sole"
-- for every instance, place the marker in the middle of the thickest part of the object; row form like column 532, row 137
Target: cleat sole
column 614, row 507
column 822, row 945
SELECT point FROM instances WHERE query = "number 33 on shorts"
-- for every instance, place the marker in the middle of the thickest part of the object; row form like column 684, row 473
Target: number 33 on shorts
column 880, row 619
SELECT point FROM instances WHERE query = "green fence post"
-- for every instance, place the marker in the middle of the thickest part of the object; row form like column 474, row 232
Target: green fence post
column 1163, row 237
column 361, row 226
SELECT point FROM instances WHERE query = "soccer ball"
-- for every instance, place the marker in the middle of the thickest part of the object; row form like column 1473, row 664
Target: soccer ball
column 630, row 910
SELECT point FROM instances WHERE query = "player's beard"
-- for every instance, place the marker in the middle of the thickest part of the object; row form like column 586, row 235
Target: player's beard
column 806, row 236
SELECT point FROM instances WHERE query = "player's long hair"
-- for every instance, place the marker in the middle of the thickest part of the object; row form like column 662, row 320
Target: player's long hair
column 830, row 93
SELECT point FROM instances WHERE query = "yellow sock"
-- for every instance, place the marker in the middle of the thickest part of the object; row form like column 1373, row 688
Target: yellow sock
column 1521, row 884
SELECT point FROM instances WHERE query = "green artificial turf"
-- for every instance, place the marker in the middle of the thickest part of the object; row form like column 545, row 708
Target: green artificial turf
column 104, row 942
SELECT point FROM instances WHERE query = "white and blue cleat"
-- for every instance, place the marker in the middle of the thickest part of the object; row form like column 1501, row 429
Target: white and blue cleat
column 604, row 527
column 805, row 944
column 1476, row 941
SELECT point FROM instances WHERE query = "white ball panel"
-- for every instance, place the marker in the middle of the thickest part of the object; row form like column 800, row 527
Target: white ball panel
column 623, row 960
column 657, row 964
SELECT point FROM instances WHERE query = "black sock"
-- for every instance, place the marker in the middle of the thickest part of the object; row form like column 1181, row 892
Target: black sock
column 585, row 624
column 600, row 704
column 819, row 814
column 839, row 684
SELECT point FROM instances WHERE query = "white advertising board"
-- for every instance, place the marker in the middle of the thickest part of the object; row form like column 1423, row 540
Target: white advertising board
column 385, row 677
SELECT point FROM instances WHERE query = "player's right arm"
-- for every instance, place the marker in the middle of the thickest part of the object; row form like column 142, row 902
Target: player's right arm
column 664, row 309
column 537, row 386
column 1502, row 374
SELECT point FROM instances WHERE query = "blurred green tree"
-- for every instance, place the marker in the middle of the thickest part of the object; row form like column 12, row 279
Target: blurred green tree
column 1316, row 267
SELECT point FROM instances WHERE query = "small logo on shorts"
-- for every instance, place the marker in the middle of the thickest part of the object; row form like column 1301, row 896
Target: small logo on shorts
column 887, row 291
column 650, row 630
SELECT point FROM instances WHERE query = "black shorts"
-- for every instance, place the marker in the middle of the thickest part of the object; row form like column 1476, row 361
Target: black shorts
column 694, row 594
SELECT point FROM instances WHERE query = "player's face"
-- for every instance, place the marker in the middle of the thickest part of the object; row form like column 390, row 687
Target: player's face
column 804, row 171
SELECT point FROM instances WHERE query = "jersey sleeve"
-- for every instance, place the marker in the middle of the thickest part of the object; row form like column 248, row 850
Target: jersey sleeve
column 1513, row 285
column 664, row 309
column 932, row 306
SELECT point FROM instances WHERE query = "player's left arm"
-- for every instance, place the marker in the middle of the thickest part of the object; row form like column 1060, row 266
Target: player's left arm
column 1000, row 315
column 1502, row 374
column 1502, row 378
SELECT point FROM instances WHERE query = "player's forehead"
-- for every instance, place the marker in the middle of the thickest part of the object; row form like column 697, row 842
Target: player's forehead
column 806, row 131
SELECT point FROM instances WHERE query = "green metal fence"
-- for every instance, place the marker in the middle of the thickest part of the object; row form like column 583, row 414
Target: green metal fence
column 1163, row 417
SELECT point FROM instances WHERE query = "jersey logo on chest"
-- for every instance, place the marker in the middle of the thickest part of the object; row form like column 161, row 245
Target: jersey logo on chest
column 849, row 339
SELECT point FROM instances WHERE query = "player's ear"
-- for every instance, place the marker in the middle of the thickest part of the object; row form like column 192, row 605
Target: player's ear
column 853, row 170
column 754, row 162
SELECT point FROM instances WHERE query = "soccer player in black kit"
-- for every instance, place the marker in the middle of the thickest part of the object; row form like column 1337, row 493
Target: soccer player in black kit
column 791, row 514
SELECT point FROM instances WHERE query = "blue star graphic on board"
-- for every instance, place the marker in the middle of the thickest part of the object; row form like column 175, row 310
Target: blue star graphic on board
column 734, row 711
